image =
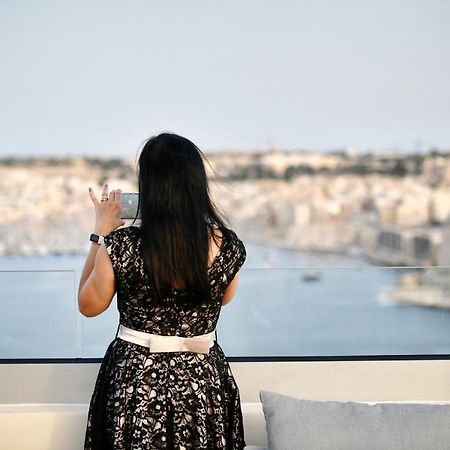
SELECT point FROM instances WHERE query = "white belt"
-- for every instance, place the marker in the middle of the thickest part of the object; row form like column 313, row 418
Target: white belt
column 159, row 343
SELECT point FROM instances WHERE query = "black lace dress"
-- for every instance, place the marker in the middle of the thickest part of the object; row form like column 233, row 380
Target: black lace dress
column 172, row 400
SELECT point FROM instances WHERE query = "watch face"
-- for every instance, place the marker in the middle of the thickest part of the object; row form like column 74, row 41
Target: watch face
column 94, row 237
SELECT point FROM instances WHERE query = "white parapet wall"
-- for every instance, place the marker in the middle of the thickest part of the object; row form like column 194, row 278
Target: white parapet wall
column 44, row 406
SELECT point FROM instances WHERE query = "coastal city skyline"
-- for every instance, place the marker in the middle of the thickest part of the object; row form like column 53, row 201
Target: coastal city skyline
column 99, row 78
column 387, row 208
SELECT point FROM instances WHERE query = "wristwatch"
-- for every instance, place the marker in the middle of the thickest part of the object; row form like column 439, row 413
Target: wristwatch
column 96, row 238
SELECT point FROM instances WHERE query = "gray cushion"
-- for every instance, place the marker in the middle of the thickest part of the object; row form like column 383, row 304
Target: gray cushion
column 300, row 424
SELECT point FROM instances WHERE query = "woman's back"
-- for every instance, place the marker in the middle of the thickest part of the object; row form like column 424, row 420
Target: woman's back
column 176, row 315
column 158, row 400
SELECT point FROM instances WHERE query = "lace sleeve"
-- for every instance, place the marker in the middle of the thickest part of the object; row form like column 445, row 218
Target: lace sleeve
column 238, row 255
column 115, row 243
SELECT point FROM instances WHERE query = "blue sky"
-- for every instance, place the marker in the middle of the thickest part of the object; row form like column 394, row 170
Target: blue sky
column 99, row 77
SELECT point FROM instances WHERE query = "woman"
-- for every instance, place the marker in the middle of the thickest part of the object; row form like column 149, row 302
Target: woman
column 164, row 382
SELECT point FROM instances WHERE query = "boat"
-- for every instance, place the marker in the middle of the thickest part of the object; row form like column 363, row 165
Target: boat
column 311, row 275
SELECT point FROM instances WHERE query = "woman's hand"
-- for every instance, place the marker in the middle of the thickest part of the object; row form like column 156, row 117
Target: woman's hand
column 107, row 213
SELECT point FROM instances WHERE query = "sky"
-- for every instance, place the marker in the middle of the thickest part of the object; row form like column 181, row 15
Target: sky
column 98, row 78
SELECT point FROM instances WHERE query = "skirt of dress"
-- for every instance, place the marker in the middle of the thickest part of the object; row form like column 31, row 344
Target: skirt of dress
column 176, row 400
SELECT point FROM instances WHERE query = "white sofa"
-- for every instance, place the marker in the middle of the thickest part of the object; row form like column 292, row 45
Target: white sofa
column 62, row 426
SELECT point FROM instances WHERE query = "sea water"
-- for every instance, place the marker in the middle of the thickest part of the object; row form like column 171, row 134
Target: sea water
column 277, row 311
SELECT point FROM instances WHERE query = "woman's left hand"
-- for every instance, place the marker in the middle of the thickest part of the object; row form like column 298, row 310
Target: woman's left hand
column 107, row 213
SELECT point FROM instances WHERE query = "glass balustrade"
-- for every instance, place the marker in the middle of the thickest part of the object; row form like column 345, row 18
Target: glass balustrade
column 288, row 312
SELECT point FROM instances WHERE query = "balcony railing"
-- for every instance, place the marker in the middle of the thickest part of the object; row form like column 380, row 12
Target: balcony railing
column 298, row 313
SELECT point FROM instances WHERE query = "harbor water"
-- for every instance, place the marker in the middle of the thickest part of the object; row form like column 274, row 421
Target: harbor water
column 288, row 303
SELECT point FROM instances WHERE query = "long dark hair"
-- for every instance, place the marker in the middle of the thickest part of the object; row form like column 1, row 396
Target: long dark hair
column 177, row 214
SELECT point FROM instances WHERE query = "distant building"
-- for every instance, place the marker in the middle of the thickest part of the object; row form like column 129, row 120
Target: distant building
column 410, row 247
